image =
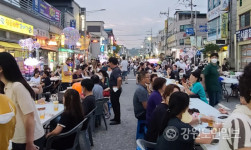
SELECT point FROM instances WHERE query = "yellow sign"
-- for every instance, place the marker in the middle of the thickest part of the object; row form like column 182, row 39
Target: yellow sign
column 224, row 25
column 15, row 26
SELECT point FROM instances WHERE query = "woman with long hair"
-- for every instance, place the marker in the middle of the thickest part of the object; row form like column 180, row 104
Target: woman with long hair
column 72, row 116
column 157, row 116
column 29, row 133
column 176, row 134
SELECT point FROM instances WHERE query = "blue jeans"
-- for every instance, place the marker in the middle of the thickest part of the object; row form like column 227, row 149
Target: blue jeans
column 214, row 97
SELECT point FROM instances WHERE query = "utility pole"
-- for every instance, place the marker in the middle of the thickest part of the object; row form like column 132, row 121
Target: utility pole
column 166, row 29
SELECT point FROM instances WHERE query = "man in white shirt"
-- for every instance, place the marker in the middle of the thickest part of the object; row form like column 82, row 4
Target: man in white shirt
column 124, row 65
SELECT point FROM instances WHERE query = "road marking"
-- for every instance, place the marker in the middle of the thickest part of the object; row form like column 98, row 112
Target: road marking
column 132, row 79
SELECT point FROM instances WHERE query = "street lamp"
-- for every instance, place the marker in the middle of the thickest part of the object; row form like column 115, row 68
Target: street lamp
column 92, row 11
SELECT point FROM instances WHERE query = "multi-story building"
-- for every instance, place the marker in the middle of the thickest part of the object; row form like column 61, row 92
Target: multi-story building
column 221, row 27
column 27, row 19
column 243, row 34
column 98, row 37
column 178, row 37
column 110, row 41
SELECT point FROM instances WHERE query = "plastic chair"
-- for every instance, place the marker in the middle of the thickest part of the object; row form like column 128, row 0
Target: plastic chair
column 100, row 110
column 144, row 145
column 84, row 144
column 76, row 130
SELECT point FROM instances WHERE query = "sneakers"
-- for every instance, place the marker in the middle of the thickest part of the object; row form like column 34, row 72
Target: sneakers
column 107, row 116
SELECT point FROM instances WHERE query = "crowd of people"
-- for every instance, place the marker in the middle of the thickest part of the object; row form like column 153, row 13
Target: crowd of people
column 159, row 108
column 158, row 104
column 19, row 120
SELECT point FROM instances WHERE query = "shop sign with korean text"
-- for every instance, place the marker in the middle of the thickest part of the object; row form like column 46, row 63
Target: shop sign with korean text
column 46, row 10
column 243, row 35
column 15, row 26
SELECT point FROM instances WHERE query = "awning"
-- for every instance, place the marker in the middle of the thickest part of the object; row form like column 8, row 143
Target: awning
column 10, row 45
column 50, row 48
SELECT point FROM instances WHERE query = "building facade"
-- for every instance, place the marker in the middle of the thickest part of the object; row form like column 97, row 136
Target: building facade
column 181, row 32
column 98, row 37
column 221, row 27
column 243, row 34
column 41, row 27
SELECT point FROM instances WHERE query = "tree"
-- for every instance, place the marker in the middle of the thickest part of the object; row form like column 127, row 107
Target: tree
column 211, row 48
column 117, row 49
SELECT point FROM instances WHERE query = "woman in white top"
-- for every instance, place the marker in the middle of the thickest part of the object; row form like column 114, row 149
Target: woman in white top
column 36, row 78
column 29, row 133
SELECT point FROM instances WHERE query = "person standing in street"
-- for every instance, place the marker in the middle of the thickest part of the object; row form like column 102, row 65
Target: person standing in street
column 66, row 74
column 140, row 102
column 115, row 86
column 124, row 65
column 210, row 80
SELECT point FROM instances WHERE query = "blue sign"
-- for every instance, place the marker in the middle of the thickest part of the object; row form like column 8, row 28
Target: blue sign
column 105, row 42
column 102, row 48
column 114, row 48
column 189, row 31
column 46, row 10
column 73, row 24
column 203, row 28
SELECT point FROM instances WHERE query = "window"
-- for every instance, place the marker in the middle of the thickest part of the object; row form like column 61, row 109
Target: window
column 213, row 25
column 245, row 20
column 184, row 27
column 240, row 3
column 181, row 41
column 93, row 28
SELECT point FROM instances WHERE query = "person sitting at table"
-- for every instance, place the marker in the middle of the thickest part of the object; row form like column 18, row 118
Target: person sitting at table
column 36, row 77
column 180, row 76
column 85, row 72
column 196, row 88
column 46, row 81
column 185, row 135
column 236, row 133
column 150, row 86
column 157, row 116
column 71, row 117
column 88, row 102
column 155, row 98
column 7, row 121
column 97, row 89
column 106, row 93
column 170, row 74
column 57, row 71
column 77, row 76
column 29, row 132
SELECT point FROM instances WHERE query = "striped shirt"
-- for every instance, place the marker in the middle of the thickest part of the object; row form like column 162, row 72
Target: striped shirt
column 236, row 132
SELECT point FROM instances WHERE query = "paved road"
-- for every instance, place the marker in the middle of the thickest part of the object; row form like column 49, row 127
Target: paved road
column 119, row 137
column 122, row 137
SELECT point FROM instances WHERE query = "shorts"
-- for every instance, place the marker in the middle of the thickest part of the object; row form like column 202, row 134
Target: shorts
column 124, row 73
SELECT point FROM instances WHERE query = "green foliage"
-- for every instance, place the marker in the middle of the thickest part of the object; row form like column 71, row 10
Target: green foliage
column 211, row 48
column 117, row 49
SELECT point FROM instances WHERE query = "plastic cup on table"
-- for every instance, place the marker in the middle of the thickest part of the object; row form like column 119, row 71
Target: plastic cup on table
column 41, row 111
column 55, row 105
